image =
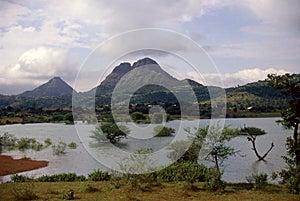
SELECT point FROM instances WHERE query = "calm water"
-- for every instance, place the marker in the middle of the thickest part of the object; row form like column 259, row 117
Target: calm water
column 81, row 162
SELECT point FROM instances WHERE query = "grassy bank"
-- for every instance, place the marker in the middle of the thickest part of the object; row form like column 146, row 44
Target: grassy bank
column 107, row 190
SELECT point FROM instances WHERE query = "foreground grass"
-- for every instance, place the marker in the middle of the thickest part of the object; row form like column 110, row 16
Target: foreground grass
column 106, row 190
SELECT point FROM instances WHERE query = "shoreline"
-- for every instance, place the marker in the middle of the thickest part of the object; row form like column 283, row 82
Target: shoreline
column 9, row 166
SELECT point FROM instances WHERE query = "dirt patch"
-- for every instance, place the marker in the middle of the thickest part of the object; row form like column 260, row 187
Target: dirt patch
column 8, row 165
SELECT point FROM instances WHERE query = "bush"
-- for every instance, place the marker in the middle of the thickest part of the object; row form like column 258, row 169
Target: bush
column 98, row 175
column 259, row 181
column 72, row 145
column 214, row 182
column 60, row 148
column 187, row 171
column 64, row 177
column 48, row 142
column 292, row 185
column 20, row 178
column 7, row 140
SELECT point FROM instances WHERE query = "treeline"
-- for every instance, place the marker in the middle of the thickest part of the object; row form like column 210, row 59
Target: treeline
column 11, row 115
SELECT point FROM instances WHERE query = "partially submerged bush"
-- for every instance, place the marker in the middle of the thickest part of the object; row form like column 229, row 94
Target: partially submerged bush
column 72, row 145
column 60, row 148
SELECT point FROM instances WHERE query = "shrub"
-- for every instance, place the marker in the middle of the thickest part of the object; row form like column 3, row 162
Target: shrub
column 48, row 142
column 20, row 178
column 72, row 145
column 98, row 175
column 292, row 185
column 214, row 182
column 187, row 171
column 259, row 181
column 64, row 177
column 7, row 140
column 59, row 149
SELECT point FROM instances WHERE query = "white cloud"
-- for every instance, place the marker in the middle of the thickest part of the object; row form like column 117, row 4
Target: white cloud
column 37, row 65
column 31, row 32
column 233, row 79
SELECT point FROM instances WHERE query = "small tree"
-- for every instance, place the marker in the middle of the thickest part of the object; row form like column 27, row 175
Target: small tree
column 218, row 151
column 289, row 84
column 110, row 131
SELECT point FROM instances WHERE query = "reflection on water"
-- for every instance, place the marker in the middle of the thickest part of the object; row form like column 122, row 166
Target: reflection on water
column 259, row 166
column 80, row 162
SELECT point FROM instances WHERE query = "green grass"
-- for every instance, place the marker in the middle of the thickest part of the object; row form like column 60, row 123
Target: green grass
column 105, row 190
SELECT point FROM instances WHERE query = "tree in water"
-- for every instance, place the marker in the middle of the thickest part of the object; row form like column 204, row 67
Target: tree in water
column 252, row 132
column 110, row 131
column 289, row 84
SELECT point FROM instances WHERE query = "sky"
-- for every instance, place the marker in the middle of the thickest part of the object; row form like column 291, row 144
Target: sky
column 246, row 39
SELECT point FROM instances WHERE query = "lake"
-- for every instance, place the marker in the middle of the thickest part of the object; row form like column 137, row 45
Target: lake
column 81, row 161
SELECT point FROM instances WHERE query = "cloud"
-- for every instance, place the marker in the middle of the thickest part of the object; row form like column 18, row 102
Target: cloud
column 31, row 32
column 283, row 15
column 38, row 65
column 233, row 79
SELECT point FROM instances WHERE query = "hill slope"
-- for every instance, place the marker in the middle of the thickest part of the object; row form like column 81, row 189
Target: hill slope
column 55, row 87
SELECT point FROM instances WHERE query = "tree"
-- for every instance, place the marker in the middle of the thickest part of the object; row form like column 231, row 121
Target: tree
column 137, row 116
column 252, row 132
column 219, row 151
column 110, row 131
column 289, row 84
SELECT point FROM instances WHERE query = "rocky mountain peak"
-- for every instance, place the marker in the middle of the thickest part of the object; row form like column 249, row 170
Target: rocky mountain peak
column 143, row 62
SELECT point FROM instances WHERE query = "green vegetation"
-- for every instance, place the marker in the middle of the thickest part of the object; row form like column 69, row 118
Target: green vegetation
column 99, row 175
column 59, row 149
column 162, row 131
column 9, row 142
column 258, row 181
column 24, row 192
column 252, row 131
column 177, row 191
column 109, row 131
column 48, row 142
column 11, row 115
column 72, row 145
column 289, row 84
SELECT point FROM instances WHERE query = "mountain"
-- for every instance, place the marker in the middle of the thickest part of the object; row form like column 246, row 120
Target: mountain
column 146, row 65
column 55, row 93
column 152, row 85
column 56, row 87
